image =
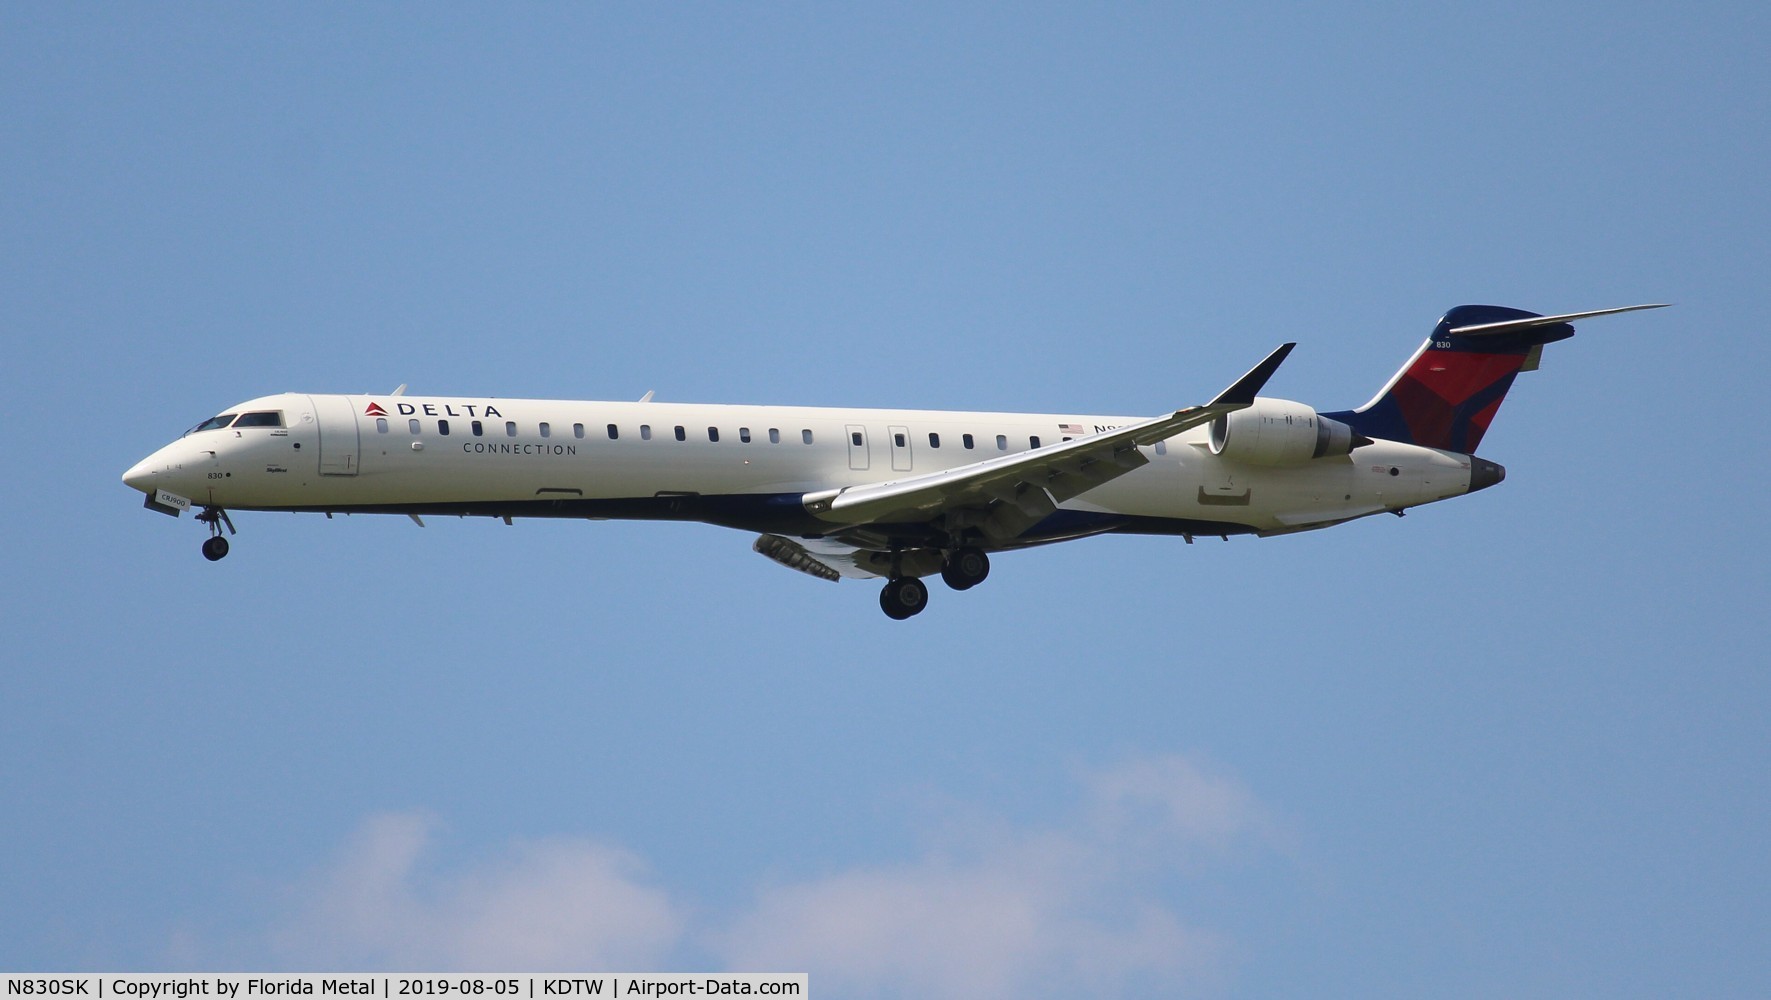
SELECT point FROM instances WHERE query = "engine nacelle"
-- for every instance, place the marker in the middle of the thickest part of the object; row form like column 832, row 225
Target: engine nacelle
column 1280, row 432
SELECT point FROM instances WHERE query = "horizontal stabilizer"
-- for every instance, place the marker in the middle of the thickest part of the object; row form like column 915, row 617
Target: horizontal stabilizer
column 1486, row 329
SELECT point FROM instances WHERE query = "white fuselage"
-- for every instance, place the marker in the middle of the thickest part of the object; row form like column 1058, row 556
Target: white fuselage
column 743, row 466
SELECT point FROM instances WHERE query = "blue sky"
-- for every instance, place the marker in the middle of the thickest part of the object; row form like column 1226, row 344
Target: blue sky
column 1511, row 745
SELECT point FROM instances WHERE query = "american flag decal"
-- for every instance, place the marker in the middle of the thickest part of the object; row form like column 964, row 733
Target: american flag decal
column 1074, row 430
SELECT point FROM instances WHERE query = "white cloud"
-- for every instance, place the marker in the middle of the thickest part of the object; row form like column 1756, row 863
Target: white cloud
column 557, row 904
column 1089, row 903
column 1007, row 925
column 1020, row 913
column 1172, row 804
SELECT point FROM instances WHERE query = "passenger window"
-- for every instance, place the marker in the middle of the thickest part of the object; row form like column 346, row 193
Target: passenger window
column 546, row 429
column 381, row 425
column 1002, row 442
column 645, row 432
column 259, row 420
column 510, row 428
column 966, row 439
column 898, row 440
column 855, row 439
column 578, row 431
column 413, row 425
column 1162, row 447
column 479, row 429
column 443, row 428
column 774, row 435
column 744, row 434
column 614, row 433
column 1033, row 441
column 680, row 434
column 806, row 436
column 713, row 434
column 934, row 440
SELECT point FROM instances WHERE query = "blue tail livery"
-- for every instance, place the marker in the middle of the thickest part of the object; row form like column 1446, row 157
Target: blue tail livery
column 1449, row 391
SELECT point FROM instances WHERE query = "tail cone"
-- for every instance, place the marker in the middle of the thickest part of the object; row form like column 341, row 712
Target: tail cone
column 1484, row 473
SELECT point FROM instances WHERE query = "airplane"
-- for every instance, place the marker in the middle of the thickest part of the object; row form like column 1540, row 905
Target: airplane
column 873, row 493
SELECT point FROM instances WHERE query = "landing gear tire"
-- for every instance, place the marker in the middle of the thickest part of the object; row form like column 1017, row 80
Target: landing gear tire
column 216, row 546
column 903, row 598
column 966, row 568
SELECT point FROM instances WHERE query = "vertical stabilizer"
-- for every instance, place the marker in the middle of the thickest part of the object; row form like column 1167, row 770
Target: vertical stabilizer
column 1449, row 391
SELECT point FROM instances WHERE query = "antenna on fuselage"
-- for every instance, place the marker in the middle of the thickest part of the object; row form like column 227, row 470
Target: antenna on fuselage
column 401, row 391
column 647, row 398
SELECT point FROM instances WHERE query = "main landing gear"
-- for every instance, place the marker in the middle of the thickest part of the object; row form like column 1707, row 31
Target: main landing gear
column 965, row 568
column 216, row 545
column 905, row 596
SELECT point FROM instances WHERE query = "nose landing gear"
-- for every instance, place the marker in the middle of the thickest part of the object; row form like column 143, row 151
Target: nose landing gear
column 216, row 546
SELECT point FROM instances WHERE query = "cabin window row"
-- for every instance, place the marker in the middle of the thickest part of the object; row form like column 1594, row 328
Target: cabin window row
column 478, row 429
column 969, row 442
column 681, row 433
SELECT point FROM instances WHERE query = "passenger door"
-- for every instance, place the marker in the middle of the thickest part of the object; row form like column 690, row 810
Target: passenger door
column 900, row 448
column 340, row 445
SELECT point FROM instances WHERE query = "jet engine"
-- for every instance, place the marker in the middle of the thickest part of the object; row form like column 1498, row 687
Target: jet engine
column 1280, row 432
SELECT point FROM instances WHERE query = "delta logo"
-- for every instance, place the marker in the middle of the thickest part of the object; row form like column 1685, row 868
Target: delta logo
column 375, row 409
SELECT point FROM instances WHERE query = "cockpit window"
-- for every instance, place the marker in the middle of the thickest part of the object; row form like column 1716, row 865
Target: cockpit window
column 269, row 418
column 213, row 423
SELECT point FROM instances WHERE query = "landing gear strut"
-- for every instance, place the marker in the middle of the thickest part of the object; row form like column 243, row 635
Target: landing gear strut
column 216, row 545
column 966, row 568
column 902, row 597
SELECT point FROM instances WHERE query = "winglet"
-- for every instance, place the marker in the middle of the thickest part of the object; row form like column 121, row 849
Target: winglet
column 1243, row 392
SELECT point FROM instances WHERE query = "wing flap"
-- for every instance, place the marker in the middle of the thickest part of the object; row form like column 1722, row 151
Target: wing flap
column 793, row 555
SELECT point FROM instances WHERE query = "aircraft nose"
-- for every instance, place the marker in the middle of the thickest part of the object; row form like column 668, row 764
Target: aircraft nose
column 141, row 475
column 150, row 473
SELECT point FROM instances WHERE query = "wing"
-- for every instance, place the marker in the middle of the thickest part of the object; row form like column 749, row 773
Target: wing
column 1007, row 495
